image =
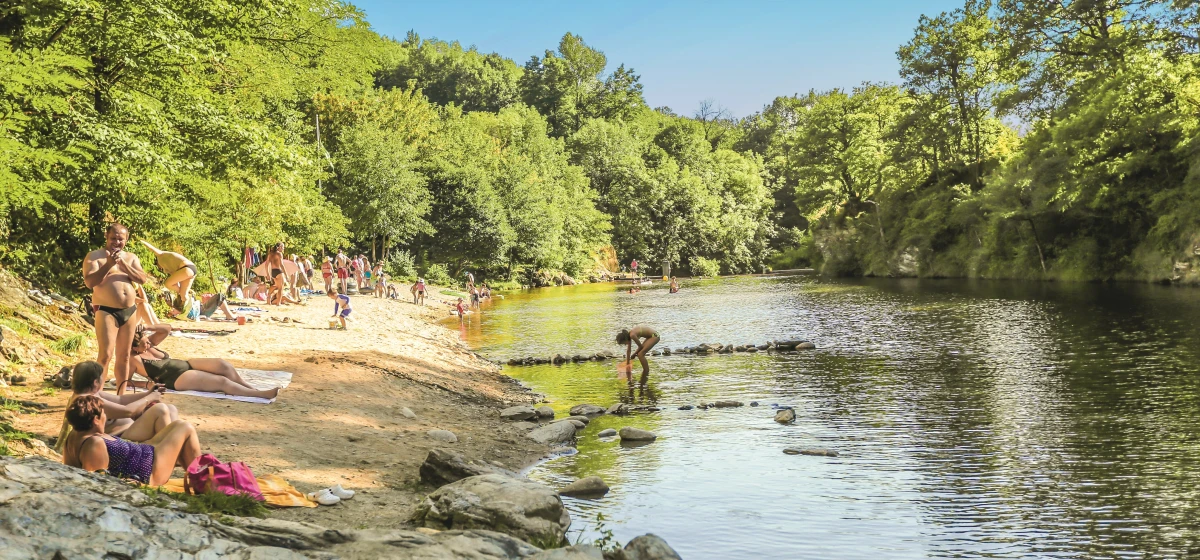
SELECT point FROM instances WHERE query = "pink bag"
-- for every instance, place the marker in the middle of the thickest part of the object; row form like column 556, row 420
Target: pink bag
column 208, row 474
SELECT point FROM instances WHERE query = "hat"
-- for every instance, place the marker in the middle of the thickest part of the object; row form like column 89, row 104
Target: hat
column 420, row 280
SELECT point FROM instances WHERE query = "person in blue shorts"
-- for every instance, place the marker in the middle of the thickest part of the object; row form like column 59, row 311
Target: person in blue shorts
column 341, row 307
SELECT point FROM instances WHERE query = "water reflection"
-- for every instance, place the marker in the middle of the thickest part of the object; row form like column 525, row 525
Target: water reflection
column 973, row 419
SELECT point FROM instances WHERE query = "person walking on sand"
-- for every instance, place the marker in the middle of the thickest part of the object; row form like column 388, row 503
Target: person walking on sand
column 111, row 273
column 418, row 292
column 341, row 307
column 380, row 283
column 180, row 272
column 342, row 264
column 646, row 338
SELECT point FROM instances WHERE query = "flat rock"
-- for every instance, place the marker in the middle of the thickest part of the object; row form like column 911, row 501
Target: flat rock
column 520, row 508
column 407, row 413
column 588, row 486
column 785, row 416
column 586, row 410
column 557, row 432
column 583, row 419
column 649, row 547
column 634, row 434
column 544, row 412
column 441, row 467
column 524, row 425
column 813, row 452
column 727, row 404
column 607, row 433
column 577, row 552
column 442, row 435
column 618, row 409
column 522, row 412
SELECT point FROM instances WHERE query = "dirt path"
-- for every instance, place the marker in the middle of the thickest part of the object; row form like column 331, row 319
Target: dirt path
column 340, row 420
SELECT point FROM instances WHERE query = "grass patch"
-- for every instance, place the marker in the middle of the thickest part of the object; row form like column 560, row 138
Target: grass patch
column 17, row 325
column 50, row 391
column 453, row 293
column 9, row 433
column 216, row 504
column 69, row 345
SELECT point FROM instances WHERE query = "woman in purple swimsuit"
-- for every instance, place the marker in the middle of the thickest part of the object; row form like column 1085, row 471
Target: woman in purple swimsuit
column 90, row 449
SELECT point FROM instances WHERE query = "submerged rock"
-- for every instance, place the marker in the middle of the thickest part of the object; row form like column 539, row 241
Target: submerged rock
column 785, row 416
column 586, row 410
column 607, row 433
column 634, row 434
column 583, row 419
column 589, row 486
column 813, row 452
column 618, row 409
column 805, row 346
column 526, row 510
column 727, row 404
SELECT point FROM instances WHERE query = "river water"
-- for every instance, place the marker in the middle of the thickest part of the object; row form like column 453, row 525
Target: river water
column 973, row 419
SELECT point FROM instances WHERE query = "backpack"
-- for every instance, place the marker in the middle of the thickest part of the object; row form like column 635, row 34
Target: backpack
column 209, row 474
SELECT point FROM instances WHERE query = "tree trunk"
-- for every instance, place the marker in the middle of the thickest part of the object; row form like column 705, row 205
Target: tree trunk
column 1037, row 243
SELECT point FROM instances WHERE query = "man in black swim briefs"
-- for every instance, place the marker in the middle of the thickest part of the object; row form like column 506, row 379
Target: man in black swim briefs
column 111, row 273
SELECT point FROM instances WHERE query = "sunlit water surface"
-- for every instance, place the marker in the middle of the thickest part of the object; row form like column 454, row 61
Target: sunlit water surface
column 996, row 420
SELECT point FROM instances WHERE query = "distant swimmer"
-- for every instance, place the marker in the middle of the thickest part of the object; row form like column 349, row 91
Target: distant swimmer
column 646, row 338
column 674, row 286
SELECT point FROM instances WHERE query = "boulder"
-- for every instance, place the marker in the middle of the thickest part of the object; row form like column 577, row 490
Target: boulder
column 586, row 410
column 578, row 425
column 618, row 409
column 544, row 412
column 634, row 434
column 557, row 432
column 785, row 416
column 726, row 404
column 577, row 552
column 523, row 509
column 407, row 413
column 589, row 486
column 51, row 510
column 806, row 346
column 441, row 467
column 649, row 547
column 445, row 436
column 522, row 412
column 607, row 433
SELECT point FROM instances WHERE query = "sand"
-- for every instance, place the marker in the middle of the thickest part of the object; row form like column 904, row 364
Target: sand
column 340, row 419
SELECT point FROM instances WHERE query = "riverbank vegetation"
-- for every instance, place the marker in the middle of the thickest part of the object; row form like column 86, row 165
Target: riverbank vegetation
column 1028, row 140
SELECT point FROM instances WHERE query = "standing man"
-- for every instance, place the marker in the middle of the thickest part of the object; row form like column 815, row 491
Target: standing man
column 633, row 267
column 470, row 280
column 342, row 263
column 111, row 273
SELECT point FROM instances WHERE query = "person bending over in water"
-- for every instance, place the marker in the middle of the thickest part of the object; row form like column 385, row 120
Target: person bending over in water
column 111, row 273
column 212, row 375
column 90, row 449
column 135, row 417
column 646, row 338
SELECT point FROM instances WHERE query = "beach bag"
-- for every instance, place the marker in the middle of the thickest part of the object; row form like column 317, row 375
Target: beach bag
column 193, row 313
column 208, row 474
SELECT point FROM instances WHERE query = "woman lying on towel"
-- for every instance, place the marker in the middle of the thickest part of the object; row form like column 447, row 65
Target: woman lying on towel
column 212, row 375
column 90, row 449
column 134, row 417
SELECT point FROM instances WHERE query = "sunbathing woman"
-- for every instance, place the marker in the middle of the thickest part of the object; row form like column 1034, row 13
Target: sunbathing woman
column 198, row 374
column 646, row 338
column 90, row 449
column 133, row 416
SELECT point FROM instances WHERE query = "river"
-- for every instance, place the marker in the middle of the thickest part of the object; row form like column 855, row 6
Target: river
column 973, row 419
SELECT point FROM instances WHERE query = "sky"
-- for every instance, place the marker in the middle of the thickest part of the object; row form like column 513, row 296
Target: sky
column 737, row 54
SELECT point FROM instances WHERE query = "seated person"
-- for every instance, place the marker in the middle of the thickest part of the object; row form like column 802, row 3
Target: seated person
column 198, row 374
column 392, row 291
column 133, row 416
column 90, row 449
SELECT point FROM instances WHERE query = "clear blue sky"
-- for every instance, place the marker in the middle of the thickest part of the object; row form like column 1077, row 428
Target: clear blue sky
column 741, row 54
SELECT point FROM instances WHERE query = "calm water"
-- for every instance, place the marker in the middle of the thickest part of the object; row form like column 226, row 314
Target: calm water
column 995, row 420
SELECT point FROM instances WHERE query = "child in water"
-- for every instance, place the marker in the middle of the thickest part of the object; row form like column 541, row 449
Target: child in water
column 461, row 309
column 341, row 306
column 646, row 338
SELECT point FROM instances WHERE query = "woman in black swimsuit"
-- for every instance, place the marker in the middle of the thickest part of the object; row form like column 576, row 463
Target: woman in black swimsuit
column 198, row 374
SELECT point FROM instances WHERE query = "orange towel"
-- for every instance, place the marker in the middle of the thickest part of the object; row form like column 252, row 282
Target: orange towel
column 277, row 491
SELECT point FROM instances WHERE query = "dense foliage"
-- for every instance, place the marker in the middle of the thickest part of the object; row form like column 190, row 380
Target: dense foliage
column 1027, row 139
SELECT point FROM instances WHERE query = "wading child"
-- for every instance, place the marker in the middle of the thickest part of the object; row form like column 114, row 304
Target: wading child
column 462, row 309
column 646, row 338
column 341, row 307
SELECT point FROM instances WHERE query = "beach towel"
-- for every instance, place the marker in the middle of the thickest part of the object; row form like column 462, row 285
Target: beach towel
column 276, row 491
column 257, row 378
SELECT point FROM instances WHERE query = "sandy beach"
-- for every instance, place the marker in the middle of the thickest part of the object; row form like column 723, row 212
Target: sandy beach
column 340, row 420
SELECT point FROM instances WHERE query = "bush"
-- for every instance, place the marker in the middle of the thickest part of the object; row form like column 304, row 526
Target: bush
column 438, row 275
column 401, row 265
column 704, row 267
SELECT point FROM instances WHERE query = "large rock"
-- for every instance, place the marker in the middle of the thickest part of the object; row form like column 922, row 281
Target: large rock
column 50, row 510
column 586, row 410
column 649, row 547
column 634, row 434
column 592, row 486
column 785, row 416
column 544, row 412
column 442, row 467
column 523, row 509
column 557, row 432
column 444, row 436
column 523, row 412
